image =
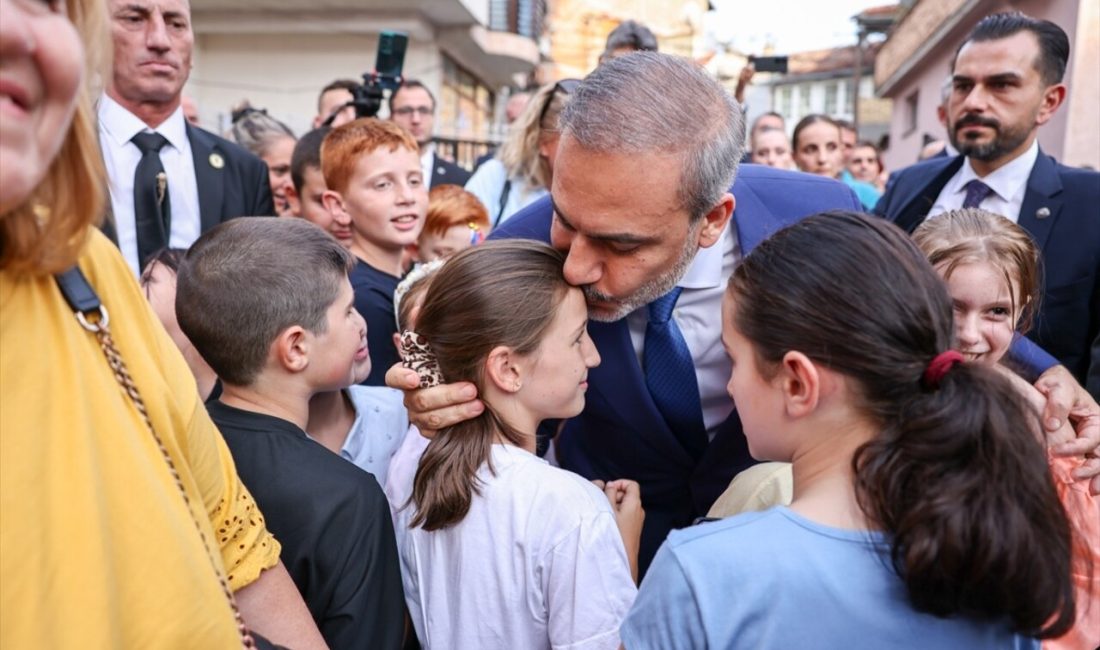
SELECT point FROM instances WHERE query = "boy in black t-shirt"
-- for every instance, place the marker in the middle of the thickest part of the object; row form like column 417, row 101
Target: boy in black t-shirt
column 268, row 304
column 375, row 182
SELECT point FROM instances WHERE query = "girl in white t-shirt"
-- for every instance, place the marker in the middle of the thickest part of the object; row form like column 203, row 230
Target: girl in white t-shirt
column 498, row 548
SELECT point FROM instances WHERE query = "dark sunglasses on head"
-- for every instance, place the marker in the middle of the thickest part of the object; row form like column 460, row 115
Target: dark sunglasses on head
column 567, row 86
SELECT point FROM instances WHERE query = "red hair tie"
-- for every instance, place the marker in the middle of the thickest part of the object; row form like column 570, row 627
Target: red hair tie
column 938, row 367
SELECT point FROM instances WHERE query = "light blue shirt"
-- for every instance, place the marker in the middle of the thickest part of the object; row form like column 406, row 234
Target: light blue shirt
column 381, row 422
column 868, row 194
column 774, row 579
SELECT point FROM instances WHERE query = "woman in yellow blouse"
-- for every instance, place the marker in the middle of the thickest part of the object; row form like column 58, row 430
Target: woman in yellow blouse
column 100, row 545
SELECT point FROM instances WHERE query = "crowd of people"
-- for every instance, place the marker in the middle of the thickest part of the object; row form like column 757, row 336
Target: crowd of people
column 631, row 382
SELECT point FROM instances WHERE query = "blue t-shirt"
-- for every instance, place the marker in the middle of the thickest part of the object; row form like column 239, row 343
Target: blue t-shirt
column 774, row 579
column 374, row 301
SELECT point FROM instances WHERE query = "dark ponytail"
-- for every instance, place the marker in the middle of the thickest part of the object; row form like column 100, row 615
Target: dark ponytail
column 956, row 477
column 497, row 293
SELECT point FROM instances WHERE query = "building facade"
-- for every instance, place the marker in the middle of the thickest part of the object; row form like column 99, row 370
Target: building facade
column 915, row 61
column 822, row 81
column 278, row 54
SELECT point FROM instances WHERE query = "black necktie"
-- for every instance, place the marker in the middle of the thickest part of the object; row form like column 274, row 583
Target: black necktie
column 152, row 213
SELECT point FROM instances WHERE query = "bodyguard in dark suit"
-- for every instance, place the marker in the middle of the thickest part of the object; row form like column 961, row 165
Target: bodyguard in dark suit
column 170, row 181
column 1007, row 83
column 412, row 106
column 445, row 172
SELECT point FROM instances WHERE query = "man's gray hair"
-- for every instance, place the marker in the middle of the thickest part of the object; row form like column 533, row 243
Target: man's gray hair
column 646, row 102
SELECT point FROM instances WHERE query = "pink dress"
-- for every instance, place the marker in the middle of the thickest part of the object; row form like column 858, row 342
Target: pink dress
column 1083, row 512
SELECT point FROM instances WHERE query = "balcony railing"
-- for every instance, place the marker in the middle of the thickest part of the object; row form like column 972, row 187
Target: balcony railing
column 523, row 17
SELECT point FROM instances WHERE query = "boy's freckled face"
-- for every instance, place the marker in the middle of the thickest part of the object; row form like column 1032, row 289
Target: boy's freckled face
column 387, row 198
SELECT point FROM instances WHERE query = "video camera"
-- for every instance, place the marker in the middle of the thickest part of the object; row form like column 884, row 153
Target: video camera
column 388, row 62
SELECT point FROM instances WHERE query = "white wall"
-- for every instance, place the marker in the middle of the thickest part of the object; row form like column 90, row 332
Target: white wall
column 285, row 72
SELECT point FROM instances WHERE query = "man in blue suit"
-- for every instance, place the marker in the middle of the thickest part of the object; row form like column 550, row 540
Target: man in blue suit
column 642, row 198
column 1006, row 83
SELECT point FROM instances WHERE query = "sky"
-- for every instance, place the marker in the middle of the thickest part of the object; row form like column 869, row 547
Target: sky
column 792, row 25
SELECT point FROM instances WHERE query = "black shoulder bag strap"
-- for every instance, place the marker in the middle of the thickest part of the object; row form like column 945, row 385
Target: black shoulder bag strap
column 503, row 201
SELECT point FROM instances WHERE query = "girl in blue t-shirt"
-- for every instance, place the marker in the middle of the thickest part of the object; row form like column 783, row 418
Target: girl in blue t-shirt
column 923, row 511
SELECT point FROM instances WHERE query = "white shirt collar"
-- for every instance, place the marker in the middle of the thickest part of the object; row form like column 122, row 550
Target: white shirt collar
column 121, row 125
column 1007, row 181
column 705, row 271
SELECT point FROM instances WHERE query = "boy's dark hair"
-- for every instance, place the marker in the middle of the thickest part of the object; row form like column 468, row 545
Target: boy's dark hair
column 307, row 153
column 340, row 84
column 956, row 476
column 1053, row 42
column 844, row 125
column 630, row 34
column 410, row 83
column 761, row 116
column 247, row 280
column 497, row 293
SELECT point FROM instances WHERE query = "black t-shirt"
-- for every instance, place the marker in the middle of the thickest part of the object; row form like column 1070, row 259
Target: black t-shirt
column 333, row 522
column 374, row 291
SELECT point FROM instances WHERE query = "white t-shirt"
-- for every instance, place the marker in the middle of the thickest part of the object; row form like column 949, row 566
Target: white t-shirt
column 536, row 563
column 487, row 184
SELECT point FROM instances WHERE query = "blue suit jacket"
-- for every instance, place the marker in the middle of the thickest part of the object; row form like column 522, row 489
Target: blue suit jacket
column 1061, row 211
column 620, row 433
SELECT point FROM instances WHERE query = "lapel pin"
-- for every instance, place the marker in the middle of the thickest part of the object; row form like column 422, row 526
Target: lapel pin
column 1042, row 213
column 440, row 170
column 216, row 161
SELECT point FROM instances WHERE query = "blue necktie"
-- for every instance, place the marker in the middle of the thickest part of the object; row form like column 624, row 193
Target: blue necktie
column 976, row 192
column 670, row 375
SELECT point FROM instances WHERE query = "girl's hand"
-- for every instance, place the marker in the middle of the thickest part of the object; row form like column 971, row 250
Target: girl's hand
column 626, row 502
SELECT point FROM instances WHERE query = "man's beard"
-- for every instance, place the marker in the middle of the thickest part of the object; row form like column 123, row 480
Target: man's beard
column 649, row 291
column 1006, row 139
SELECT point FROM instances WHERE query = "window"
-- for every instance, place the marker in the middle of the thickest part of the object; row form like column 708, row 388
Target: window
column 783, row 101
column 912, row 101
column 832, row 92
column 465, row 104
column 804, row 100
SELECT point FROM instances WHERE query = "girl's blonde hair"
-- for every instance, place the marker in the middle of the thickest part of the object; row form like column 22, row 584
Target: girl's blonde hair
column 971, row 235
column 520, row 152
column 47, row 232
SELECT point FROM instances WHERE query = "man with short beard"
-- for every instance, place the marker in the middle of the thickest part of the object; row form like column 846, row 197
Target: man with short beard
column 1007, row 82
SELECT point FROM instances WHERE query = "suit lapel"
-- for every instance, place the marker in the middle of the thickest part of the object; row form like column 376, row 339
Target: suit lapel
column 1042, row 201
column 209, row 177
column 620, row 384
column 916, row 210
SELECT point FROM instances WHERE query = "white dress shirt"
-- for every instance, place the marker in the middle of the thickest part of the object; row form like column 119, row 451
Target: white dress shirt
column 117, row 126
column 698, row 314
column 1009, row 185
column 427, row 162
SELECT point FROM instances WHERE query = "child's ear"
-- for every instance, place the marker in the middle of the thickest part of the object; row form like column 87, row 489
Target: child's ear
column 291, row 349
column 502, row 371
column 413, row 251
column 293, row 200
column 801, row 383
column 334, row 203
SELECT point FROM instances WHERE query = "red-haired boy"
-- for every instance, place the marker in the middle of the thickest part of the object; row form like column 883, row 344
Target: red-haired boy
column 372, row 170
